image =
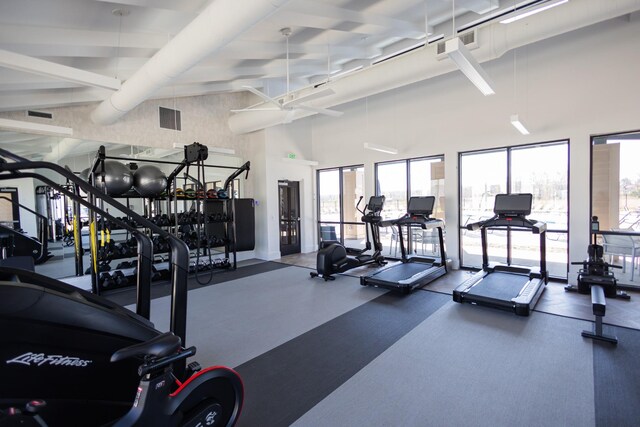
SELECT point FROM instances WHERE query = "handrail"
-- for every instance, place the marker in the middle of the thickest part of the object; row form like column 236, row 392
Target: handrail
column 179, row 249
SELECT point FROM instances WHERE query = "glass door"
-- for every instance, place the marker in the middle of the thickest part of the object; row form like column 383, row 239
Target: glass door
column 289, row 202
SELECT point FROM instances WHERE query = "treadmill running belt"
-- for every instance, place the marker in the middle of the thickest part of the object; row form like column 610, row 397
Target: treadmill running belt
column 500, row 286
column 401, row 272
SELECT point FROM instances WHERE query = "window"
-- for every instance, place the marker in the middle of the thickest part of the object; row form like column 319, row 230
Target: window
column 392, row 184
column 339, row 191
column 398, row 181
column 541, row 169
column 615, row 199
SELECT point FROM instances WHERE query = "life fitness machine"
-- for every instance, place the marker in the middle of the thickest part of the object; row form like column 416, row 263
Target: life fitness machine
column 334, row 258
column 507, row 286
column 91, row 361
column 594, row 277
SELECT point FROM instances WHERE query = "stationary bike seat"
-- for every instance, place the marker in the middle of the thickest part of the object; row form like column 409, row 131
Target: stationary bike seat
column 160, row 346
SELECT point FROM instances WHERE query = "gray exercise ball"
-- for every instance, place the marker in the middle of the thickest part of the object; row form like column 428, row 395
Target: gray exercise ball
column 118, row 177
column 149, row 181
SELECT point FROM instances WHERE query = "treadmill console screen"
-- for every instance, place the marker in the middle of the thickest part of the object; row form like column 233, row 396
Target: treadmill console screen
column 376, row 203
column 513, row 204
column 421, row 205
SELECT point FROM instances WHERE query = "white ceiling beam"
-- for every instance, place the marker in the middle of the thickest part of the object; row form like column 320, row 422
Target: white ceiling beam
column 30, row 85
column 32, row 34
column 182, row 6
column 47, row 99
column 250, row 46
column 216, row 26
column 204, row 89
column 212, row 74
column 339, row 14
column 478, row 6
column 51, row 69
column 8, row 137
column 65, row 51
column 36, row 128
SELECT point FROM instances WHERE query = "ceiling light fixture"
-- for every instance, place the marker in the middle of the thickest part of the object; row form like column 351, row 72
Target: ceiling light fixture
column 380, row 148
column 515, row 121
column 528, row 11
column 457, row 51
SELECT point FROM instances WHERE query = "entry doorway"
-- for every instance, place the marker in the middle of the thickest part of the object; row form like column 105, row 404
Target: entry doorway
column 289, row 207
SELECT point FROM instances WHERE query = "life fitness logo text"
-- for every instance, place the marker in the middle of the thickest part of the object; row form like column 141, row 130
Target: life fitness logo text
column 40, row 359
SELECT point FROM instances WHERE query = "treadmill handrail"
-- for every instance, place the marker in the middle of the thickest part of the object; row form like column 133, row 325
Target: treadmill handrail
column 499, row 221
column 423, row 221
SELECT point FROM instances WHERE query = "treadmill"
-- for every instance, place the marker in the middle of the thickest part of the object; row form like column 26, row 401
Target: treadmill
column 413, row 271
column 508, row 287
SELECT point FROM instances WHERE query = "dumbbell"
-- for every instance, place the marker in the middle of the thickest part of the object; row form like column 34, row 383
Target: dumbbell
column 106, row 280
column 123, row 265
column 119, row 278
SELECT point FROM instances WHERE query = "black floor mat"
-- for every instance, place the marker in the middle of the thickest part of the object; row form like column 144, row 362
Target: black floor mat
column 161, row 289
column 283, row 384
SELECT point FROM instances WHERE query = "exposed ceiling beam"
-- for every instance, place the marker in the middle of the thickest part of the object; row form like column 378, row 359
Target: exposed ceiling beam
column 16, row 137
column 51, row 69
column 46, row 99
column 87, row 51
column 220, row 23
column 35, row 128
column 339, row 14
column 32, row 34
column 183, row 6
column 478, row 6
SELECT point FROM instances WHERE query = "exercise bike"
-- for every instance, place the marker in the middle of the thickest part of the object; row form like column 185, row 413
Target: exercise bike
column 334, row 258
column 156, row 402
column 595, row 277
column 89, row 361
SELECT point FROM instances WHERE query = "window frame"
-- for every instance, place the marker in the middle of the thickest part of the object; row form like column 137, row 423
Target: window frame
column 341, row 223
column 508, row 149
column 407, row 162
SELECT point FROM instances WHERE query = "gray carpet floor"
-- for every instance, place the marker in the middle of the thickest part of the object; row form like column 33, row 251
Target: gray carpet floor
column 235, row 321
column 470, row 366
column 315, row 353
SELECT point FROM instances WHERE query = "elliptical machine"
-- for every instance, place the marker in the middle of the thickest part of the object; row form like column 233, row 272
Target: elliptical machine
column 594, row 277
column 334, row 258
column 93, row 362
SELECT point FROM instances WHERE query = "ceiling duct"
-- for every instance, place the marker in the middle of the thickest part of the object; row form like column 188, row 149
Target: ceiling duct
column 493, row 40
column 216, row 26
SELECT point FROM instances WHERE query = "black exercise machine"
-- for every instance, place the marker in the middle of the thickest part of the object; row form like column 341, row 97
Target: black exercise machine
column 24, row 245
column 507, row 286
column 92, row 361
column 413, row 271
column 334, row 258
column 595, row 278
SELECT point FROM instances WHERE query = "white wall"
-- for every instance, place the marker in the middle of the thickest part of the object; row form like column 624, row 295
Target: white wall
column 279, row 141
column 568, row 87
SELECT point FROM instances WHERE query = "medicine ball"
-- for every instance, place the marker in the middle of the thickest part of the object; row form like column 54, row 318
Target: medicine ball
column 149, row 181
column 118, row 177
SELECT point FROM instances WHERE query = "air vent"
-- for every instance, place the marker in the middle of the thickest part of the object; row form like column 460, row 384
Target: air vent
column 170, row 119
column 40, row 114
column 468, row 39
